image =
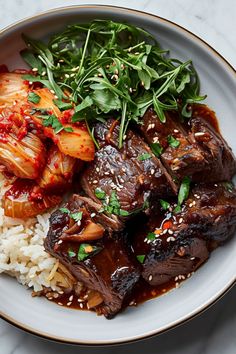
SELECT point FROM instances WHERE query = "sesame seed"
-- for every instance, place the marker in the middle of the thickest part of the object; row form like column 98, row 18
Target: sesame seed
column 60, row 292
column 59, row 242
column 152, row 171
column 72, row 75
column 171, row 238
column 131, row 303
column 81, row 305
column 69, row 303
column 123, row 169
column 56, row 295
column 181, row 220
column 176, row 278
column 71, row 298
column 155, row 139
column 43, row 73
column 30, row 83
column 165, row 231
column 170, row 232
column 35, row 69
column 122, row 181
column 130, row 90
column 176, row 131
column 85, row 296
column 61, row 61
column 97, row 169
column 216, row 185
column 56, row 97
column 75, row 69
column 59, row 303
column 190, row 205
column 52, row 91
column 67, row 76
column 194, row 203
column 116, row 72
column 177, row 285
column 50, row 298
column 150, row 278
column 106, row 173
column 192, row 258
column 199, row 134
column 95, row 181
column 112, row 171
column 92, row 215
column 124, row 137
column 80, row 300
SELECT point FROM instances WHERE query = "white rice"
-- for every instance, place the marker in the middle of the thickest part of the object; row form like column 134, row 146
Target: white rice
column 22, row 253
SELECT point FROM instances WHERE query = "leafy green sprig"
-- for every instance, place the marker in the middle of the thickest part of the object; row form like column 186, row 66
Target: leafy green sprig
column 112, row 69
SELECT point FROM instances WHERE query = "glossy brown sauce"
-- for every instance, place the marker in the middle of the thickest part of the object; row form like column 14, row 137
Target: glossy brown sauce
column 142, row 290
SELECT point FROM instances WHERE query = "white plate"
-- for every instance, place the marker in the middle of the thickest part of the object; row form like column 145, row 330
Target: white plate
column 218, row 80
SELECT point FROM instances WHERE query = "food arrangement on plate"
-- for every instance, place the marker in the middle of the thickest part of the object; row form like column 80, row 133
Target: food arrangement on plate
column 116, row 183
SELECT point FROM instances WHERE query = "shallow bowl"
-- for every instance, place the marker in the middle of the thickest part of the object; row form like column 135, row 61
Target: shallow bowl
column 211, row 281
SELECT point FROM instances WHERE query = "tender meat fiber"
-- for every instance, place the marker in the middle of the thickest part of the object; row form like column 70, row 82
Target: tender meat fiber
column 221, row 163
column 133, row 172
column 182, row 240
column 110, row 271
column 202, row 152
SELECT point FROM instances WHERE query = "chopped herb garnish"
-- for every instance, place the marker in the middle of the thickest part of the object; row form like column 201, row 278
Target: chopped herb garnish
column 151, row 236
column 156, row 149
column 86, row 250
column 228, row 186
column 63, row 105
column 65, row 210
column 173, row 142
column 33, row 97
column 165, row 205
column 144, row 156
column 184, row 190
column 77, row 216
column 124, row 212
column 110, row 68
column 71, row 253
column 141, row 258
column 99, row 193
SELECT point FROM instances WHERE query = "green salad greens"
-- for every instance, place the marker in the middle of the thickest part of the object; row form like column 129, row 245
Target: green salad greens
column 112, row 69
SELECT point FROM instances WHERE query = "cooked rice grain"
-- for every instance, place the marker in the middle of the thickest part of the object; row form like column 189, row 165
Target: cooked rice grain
column 22, row 253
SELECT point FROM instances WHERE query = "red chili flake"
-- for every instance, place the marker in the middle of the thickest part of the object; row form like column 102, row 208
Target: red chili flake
column 167, row 225
column 66, row 116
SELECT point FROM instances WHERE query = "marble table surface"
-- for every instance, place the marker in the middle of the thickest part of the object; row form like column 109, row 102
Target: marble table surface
column 214, row 332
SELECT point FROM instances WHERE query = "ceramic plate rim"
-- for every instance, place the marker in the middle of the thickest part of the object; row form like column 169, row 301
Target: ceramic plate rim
column 222, row 291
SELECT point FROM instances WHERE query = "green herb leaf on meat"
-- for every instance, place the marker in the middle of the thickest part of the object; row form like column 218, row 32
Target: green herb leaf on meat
column 86, row 250
column 165, row 205
column 141, row 258
column 144, row 156
column 157, row 149
column 173, row 142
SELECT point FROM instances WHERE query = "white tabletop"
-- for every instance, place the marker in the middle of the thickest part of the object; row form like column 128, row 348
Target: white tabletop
column 214, row 332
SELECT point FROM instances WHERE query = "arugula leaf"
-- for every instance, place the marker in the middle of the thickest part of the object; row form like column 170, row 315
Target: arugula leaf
column 112, row 69
column 165, row 205
column 173, row 142
column 156, row 148
column 63, row 105
column 86, row 250
column 144, row 156
column 33, row 97
column 141, row 258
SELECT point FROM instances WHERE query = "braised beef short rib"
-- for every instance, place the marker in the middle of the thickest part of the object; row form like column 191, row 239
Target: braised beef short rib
column 109, row 270
column 178, row 243
column 199, row 152
column 133, row 172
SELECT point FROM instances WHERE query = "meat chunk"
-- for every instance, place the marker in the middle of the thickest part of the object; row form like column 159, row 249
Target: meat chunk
column 133, row 173
column 177, row 244
column 102, row 262
column 198, row 149
column 221, row 163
